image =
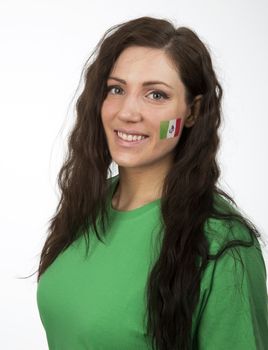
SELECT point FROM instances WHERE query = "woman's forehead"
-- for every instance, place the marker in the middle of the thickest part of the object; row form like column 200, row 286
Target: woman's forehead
column 138, row 65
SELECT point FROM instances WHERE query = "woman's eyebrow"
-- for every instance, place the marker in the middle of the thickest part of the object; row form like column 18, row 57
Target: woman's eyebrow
column 146, row 83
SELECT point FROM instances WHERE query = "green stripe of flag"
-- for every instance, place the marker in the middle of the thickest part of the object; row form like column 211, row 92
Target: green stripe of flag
column 164, row 126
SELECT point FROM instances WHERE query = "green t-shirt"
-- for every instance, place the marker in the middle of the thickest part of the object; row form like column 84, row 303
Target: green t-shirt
column 98, row 302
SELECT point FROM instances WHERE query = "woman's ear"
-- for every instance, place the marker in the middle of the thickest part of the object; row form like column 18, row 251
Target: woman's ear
column 195, row 108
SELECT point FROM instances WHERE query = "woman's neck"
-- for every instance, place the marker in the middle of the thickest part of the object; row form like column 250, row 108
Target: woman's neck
column 132, row 192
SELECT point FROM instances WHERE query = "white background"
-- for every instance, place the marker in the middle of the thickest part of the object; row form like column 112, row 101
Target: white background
column 44, row 45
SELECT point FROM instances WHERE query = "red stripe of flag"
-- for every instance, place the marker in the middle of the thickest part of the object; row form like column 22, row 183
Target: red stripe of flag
column 177, row 129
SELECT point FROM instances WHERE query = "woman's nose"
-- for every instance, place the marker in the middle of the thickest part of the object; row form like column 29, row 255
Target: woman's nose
column 130, row 108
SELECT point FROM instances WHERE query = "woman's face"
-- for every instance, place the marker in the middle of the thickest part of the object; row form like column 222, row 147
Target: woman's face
column 139, row 108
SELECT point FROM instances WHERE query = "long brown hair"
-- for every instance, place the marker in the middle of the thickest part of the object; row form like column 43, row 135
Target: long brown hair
column 189, row 188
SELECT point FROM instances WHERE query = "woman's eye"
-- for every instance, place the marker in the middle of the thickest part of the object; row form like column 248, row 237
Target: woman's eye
column 109, row 88
column 164, row 96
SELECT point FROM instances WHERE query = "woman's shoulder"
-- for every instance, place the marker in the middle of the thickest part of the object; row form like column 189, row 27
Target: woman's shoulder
column 220, row 231
column 243, row 249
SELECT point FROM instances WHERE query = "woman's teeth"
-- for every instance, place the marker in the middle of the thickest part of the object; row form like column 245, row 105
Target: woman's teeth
column 128, row 137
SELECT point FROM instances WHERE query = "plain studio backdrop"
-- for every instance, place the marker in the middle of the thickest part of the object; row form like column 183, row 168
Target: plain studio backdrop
column 44, row 45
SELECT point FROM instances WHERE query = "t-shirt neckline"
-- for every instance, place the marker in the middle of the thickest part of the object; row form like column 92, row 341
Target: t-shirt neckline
column 133, row 213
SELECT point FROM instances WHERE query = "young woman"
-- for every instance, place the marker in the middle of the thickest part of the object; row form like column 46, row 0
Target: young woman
column 158, row 256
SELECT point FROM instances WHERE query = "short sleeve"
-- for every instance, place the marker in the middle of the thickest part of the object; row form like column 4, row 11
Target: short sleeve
column 235, row 311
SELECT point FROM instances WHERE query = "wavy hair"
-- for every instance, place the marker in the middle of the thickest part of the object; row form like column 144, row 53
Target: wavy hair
column 189, row 187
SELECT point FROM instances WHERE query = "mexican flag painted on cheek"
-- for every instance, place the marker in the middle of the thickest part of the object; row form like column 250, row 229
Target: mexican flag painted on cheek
column 170, row 128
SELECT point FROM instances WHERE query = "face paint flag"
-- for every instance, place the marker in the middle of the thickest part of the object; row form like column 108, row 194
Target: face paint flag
column 170, row 128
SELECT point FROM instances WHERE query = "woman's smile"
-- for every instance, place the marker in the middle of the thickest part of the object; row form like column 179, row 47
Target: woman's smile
column 129, row 141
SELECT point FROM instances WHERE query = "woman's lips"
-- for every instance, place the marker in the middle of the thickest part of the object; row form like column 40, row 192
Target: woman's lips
column 125, row 143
